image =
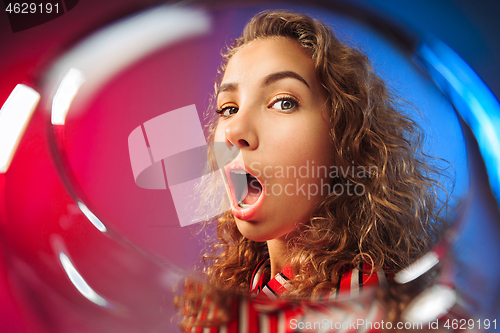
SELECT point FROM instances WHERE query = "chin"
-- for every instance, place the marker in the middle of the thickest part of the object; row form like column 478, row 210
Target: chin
column 245, row 228
column 249, row 230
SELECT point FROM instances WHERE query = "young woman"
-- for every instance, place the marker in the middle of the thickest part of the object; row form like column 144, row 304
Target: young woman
column 330, row 190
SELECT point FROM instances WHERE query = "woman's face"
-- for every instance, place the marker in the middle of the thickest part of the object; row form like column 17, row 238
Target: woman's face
column 272, row 107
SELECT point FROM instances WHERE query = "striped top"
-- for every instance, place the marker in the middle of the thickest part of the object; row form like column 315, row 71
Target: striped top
column 350, row 285
column 265, row 312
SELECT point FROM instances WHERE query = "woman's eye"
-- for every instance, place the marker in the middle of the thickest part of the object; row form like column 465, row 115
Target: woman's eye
column 284, row 104
column 227, row 111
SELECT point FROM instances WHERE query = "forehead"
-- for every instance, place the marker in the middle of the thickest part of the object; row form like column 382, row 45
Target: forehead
column 263, row 56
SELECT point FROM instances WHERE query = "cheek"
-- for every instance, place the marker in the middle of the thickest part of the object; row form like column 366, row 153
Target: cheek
column 320, row 144
column 304, row 144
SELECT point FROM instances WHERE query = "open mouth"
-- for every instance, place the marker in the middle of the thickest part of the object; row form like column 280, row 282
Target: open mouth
column 245, row 188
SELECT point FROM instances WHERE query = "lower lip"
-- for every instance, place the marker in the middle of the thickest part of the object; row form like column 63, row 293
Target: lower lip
column 247, row 213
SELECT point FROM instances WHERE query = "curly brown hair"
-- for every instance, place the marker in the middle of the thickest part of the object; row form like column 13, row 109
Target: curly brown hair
column 391, row 225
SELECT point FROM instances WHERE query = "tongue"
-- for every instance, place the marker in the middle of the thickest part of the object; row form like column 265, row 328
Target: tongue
column 254, row 191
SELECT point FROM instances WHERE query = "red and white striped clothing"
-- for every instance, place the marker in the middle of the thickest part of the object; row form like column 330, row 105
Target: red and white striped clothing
column 266, row 312
column 350, row 285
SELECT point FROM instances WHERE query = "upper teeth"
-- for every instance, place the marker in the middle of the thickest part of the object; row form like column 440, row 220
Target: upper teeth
column 239, row 171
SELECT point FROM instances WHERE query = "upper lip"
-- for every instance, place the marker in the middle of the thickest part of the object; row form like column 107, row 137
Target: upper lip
column 237, row 166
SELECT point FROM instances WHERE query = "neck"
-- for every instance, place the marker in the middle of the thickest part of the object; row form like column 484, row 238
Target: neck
column 277, row 255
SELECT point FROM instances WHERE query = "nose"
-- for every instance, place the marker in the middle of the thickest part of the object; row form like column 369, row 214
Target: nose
column 241, row 131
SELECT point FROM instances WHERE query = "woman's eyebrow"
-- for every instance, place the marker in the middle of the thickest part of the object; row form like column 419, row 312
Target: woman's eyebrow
column 271, row 78
column 227, row 87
